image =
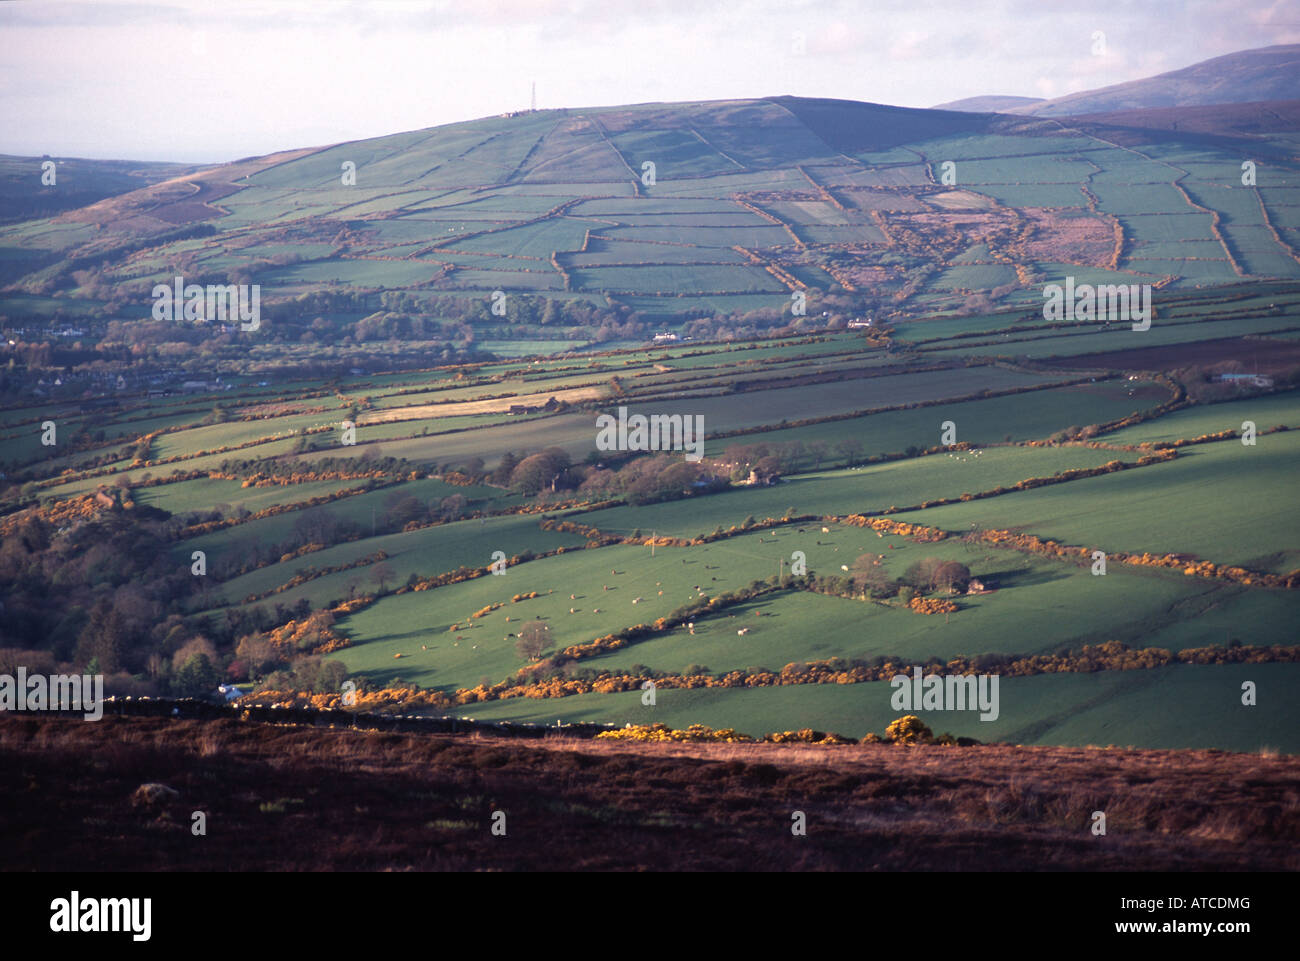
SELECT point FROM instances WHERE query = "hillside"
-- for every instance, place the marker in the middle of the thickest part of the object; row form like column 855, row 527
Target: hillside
column 390, row 802
column 1266, row 73
column 631, row 218
column 993, row 103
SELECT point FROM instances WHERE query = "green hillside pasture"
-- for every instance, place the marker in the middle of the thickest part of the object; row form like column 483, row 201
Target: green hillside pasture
column 234, row 432
column 675, row 153
column 852, row 234
column 855, row 490
column 809, row 212
column 703, row 236
column 1057, row 273
column 206, row 493
column 1186, row 226
column 543, row 277
column 1175, row 250
column 402, row 624
column 1079, row 343
column 207, row 462
column 531, row 240
column 588, row 189
column 734, row 218
column 752, row 408
column 907, row 174
column 1223, row 502
column 1063, row 195
column 1283, row 205
column 1266, row 411
column 1185, row 706
column 1190, row 272
column 1143, row 199
column 1038, row 606
column 1237, row 205
column 426, row 552
column 671, row 309
column 976, row 277
column 614, row 208
column 930, row 328
column 360, row 273
column 1018, row 416
column 878, row 198
column 576, row 433
column 725, row 185
column 686, row 278
column 526, row 348
column 609, row 253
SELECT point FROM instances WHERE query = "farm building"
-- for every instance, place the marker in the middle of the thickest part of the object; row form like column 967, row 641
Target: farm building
column 1258, row 380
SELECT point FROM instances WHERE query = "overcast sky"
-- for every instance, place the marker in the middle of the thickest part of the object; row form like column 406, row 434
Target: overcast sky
column 206, row 82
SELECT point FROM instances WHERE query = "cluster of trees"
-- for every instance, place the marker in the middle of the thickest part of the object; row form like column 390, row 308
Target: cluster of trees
column 868, row 577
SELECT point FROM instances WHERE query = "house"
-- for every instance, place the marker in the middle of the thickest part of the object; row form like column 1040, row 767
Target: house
column 1258, row 380
column 229, row 692
column 859, row 324
column 666, row 338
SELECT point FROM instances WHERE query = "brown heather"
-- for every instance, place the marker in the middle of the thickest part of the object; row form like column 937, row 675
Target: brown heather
column 288, row 798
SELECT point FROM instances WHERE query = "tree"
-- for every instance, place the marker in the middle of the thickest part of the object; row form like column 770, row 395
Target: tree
column 951, row 577
column 921, row 574
column 869, row 575
column 539, row 470
column 196, row 677
column 534, row 640
column 381, row 574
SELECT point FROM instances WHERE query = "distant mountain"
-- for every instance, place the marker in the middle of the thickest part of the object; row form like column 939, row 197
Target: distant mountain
column 25, row 190
column 672, row 212
column 1267, row 73
column 1214, row 120
column 988, row 104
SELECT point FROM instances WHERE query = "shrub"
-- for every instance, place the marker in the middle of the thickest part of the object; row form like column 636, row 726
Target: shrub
column 909, row 729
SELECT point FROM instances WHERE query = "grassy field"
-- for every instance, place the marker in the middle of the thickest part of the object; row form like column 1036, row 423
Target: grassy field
column 1166, row 708
column 1223, row 502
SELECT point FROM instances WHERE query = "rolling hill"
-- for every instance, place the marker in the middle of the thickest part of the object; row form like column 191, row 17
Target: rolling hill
column 674, row 211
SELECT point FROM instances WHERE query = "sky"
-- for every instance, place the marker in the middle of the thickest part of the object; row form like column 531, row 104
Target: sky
column 206, row 82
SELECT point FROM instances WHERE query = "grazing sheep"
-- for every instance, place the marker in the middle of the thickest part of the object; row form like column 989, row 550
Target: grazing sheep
column 826, row 530
column 573, row 610
column 399, row 655
column 743, row 631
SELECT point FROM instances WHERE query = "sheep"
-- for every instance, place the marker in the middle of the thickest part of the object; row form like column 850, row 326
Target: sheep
column 826, row 530
column 573, row 610
column 596, row 611
column 743, row 631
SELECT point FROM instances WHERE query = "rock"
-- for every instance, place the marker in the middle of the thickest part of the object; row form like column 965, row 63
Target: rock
column 152, row 794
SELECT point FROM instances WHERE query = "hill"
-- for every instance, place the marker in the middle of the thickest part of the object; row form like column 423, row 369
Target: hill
column 992, row 103
column 611, row 223
column 411, row 802
column 1266, row 73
